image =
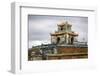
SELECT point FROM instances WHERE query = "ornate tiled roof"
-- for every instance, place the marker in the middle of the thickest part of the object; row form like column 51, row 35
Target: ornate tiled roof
column 62, row 33
column 62, row 23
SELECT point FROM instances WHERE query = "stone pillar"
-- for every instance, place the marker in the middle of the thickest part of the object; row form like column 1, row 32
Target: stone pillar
column 69, row 39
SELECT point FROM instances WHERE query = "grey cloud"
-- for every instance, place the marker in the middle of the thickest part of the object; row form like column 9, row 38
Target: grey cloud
column 40, row 27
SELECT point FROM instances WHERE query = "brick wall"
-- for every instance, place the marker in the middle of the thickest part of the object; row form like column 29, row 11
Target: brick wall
column 71, row 53
column 72, row 50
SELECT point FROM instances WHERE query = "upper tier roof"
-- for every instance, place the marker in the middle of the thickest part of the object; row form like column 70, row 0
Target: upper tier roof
column 62, row 23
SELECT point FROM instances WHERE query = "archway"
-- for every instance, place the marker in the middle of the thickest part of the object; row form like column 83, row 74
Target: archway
column 72, row 40
column 58, row 40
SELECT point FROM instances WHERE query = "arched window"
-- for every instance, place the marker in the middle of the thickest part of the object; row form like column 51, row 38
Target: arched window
column 61, row 28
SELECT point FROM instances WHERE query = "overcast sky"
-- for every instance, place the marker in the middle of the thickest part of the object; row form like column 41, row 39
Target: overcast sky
column 41, row 26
